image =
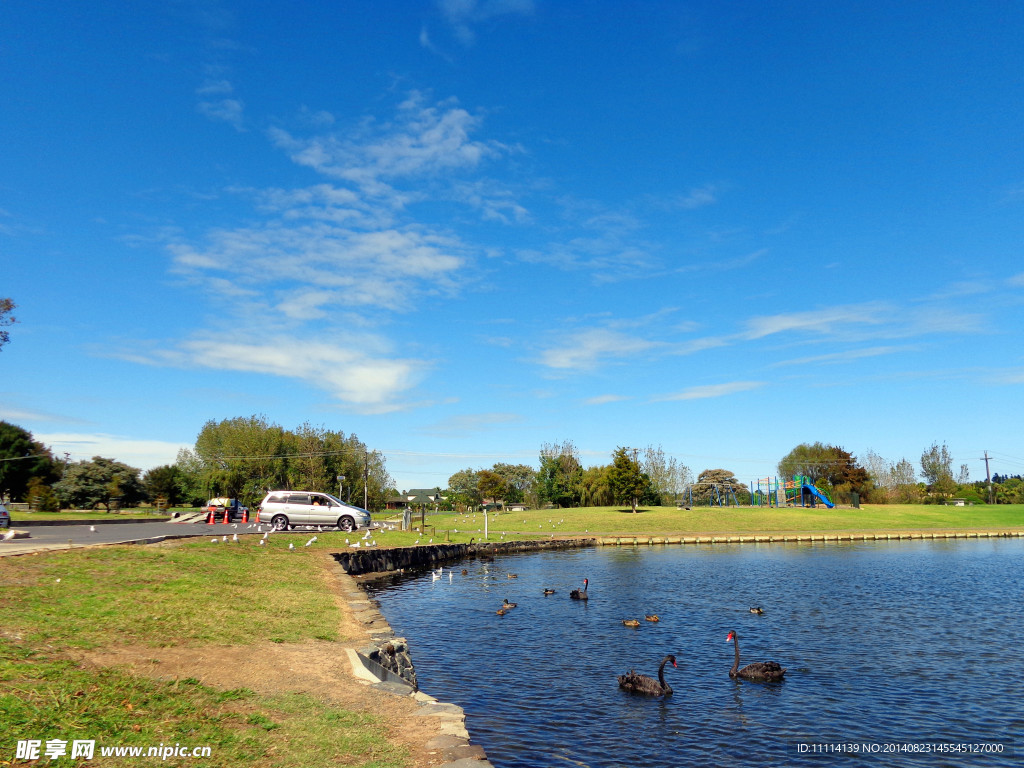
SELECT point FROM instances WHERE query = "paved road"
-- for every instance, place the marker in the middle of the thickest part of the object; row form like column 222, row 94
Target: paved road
column 66, row 536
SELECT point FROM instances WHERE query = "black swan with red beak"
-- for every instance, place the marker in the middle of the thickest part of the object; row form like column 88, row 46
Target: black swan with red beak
column 648, row 685
column 759, row 671
column 580, row 594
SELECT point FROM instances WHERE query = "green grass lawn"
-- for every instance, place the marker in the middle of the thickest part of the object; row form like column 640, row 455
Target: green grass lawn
column 191, row 594
column 660, row 521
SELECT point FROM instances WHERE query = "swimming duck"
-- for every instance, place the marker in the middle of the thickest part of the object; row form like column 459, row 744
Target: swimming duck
column 631, row 622
column 653, row 617
column 757, row 609
column 506, row 605
column 548, row 591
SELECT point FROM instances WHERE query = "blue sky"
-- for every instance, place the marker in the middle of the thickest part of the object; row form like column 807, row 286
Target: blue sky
column 462, row 229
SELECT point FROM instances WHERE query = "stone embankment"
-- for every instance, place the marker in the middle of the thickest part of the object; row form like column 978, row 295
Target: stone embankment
column 356, row 562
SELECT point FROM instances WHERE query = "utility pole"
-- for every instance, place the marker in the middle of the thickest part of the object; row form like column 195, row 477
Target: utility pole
column 988, row 478
column 366, row 477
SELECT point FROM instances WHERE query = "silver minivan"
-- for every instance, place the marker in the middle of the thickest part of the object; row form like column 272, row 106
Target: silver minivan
column 286, row 509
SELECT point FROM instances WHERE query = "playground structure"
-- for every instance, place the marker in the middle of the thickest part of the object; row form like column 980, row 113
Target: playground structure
column 711, row 495
column 797, row 491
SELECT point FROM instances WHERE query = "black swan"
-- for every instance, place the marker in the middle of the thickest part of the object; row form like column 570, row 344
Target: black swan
column 761, row 671
column 580, row 594
column 648, row 685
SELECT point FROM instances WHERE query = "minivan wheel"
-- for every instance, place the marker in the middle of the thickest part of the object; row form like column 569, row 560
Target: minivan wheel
column 280, row 523
column 346, row 523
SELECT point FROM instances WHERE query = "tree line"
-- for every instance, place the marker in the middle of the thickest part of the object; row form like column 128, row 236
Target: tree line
column 245, row 457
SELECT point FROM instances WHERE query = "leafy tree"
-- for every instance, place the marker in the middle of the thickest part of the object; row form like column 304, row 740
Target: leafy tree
column 87, row 484
column 596, row 488
column 242, row 457
column 626, row 478
column 163, row 483
column 519, row 480
column 490, row 485
column 247, row 456
column 560, row 474
column 6, row 319
column 41, row 496
column 464, row 487
column 668, row 477
column 937, row 470
column 21, row 459
column 192, row 488
column 908, row 491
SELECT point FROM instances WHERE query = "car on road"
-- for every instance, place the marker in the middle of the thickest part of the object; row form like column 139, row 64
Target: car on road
column 5, row 517
column 287, row 509
column 236, row 510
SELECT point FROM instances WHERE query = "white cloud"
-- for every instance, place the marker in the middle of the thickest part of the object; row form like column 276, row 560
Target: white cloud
column 822, row 321
column 144, row 454
column 425, row 140
column 845, row 356
column 605, row 399
column 372, row 384
column 711, row 390
column 586, row 349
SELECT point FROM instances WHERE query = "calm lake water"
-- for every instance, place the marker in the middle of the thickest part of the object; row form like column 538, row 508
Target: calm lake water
column 886, row 643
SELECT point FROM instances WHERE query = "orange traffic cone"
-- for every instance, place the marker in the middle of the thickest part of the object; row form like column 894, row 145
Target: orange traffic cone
column 245, row 515
column 227, row 515
column 209, row 516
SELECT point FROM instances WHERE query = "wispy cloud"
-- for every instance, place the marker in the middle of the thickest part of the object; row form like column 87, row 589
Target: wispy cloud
column 218, row 103
column 710, row 391
column 585, row 350
column 425, row 140
column 845, row 356
column 463, row 15
column 471, row 423
column 605, row 399
column 344, row 368
column 81, row 446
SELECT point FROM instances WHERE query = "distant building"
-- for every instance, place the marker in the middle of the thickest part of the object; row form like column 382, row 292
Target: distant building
column 416, row 498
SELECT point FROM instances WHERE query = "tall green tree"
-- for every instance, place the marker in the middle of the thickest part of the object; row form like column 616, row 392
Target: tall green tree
column 464, row 488
column 560, row 474
column 100, row 481
column 6, row 319
column 519, row 480
column 625, row 477
column 937, row 470
column 490, row 485
column 596, row 488
column 22, row 458
column 163, row 483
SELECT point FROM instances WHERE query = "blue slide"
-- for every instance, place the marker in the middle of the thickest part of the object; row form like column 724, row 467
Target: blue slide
column 821, row 496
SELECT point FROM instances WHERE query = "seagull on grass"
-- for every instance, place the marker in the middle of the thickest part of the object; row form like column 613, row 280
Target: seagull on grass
column 291, row 545
column 311, row 541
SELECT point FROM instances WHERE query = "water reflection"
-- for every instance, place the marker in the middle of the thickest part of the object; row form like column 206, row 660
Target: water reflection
column 884, row 641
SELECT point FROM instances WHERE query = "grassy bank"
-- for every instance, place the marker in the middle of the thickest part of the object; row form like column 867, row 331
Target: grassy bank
column 193, row 594
column 612, row 521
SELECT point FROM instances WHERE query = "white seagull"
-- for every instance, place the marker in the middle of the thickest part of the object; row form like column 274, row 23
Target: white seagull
column 311, row 541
